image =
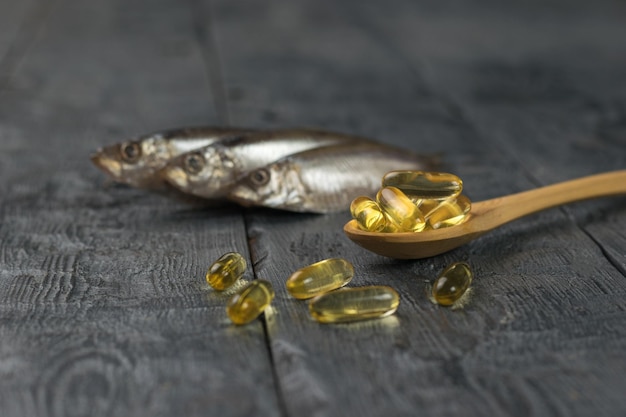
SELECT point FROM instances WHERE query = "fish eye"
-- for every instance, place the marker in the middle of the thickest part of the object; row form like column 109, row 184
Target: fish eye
column 130, row 151
column 194, row 163
column 260, row 177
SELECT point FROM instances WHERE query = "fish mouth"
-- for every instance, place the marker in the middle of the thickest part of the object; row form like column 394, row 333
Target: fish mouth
column 108, row 165
column 242, row 195
column 177, row 177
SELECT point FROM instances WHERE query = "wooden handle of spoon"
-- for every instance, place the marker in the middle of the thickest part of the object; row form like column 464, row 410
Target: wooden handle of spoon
column 505, row 209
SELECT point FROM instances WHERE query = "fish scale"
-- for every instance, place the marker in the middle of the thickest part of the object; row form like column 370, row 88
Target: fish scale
column 326, row 179
column 227, row 160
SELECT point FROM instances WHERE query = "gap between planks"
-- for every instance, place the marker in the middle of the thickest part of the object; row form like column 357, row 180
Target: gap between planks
column 282, row 404
column 204, row 30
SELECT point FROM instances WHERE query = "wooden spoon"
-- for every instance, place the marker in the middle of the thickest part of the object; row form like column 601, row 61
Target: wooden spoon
column 485, row 216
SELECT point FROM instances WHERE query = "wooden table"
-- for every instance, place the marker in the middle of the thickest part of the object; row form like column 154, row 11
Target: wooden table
column 103, row 308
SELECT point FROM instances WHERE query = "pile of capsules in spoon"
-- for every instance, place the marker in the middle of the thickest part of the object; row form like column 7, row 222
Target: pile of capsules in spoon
column 413, row 201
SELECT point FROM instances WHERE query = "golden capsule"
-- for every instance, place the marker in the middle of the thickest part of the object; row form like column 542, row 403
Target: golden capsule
column 449, row 212
column 391, row 227
column 400, row 210
column 352, row 304
column 319, row 278
column 452, row 283
column 250, row 301
column 368, row 214
column 426, row 206
column 425, row 185
column 226, row 271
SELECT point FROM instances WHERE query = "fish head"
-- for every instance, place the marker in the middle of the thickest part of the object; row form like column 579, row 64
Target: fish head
column 135, row 162
column 207, row 172
column 277, row 185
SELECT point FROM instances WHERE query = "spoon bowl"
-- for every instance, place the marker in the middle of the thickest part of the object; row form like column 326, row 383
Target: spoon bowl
column 486, row 216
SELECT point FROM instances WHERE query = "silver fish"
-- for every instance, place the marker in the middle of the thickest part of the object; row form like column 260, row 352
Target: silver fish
column 209, row 172
column 325, row 179
column 137, row 162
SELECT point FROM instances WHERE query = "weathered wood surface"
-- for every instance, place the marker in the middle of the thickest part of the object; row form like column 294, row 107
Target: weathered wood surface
column 103, row 310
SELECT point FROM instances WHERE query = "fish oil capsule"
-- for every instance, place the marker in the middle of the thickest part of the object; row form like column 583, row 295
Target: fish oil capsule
column 353, row 304
column 449, row 213
column 391, row 227
column 426, row 205
column 400, row 210
column 452, row 283
column 226, row 271
column 425, row 185
column 250, row 301
column 319, row 278
column 368, row 214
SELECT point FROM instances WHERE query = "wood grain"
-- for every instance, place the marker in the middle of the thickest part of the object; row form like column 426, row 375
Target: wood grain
column 103, row 309
column 20, row 22
column 535, row 334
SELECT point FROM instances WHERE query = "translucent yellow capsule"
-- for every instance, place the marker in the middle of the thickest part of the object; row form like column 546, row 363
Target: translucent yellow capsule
column 449, row 212
column 391, row 227
column 368, row 214
column 452, row 283
column 226, row 271
column 250, row 301
column 319, row 278
column 400, row 210
column 425, row 206
column 352, row 304
column 425, row 185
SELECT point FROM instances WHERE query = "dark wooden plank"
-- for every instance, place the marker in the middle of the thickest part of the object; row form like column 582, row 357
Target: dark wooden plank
column 19, row 21
column 543, row 333
column 103, row 306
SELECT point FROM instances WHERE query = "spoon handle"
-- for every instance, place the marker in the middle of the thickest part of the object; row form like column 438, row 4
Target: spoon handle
column 505, row 209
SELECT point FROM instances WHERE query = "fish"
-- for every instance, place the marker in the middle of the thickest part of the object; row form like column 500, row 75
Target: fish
column 138, row 161
column 209, row 172
column 326, row 179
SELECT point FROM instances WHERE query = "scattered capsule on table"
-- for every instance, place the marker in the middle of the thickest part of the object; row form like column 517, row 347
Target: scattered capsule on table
column 425, row 185
column 226, row 271
column 449, row 212
column 452, row 283
column 353, row 304
column 368, row 214
column 248, row 303
column 319, row 278
column 400, row 210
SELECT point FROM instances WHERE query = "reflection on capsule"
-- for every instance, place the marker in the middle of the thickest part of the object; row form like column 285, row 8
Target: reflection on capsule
column 424, row 185
column 368, row 214
column 400, row 211
column 452, row 283
column 320, row 277
column 226, row 271
column 449, row 212
column 250, row 301
column 353, row 304
column 426, row 206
